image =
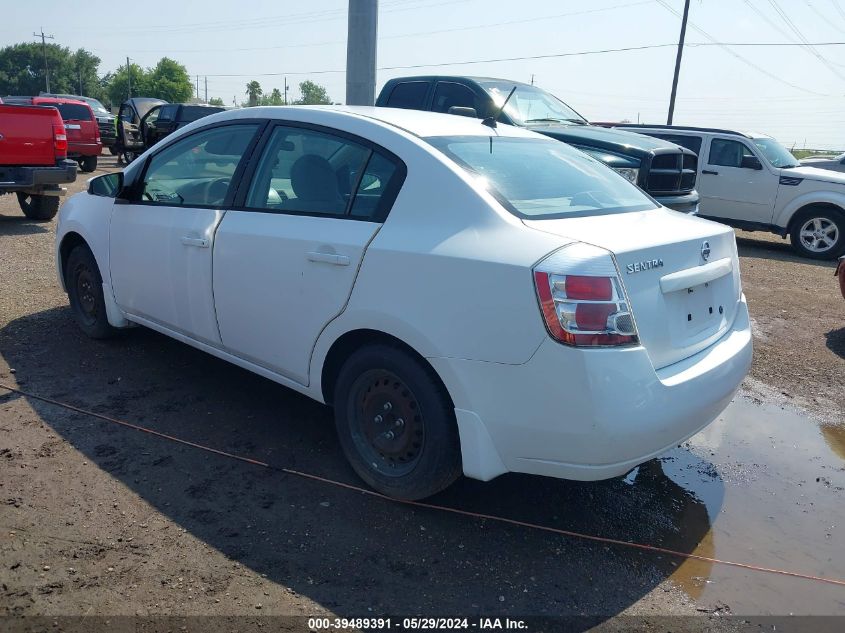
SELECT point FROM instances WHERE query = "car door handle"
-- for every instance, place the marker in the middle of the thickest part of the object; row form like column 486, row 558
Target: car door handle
column 707, row 171
column 328, row 258
column 199, row 242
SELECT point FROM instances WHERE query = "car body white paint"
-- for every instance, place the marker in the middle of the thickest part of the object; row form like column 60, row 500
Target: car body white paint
column 449, row 273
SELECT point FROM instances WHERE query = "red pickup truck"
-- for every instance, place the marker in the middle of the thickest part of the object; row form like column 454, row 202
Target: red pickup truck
column 33, row 158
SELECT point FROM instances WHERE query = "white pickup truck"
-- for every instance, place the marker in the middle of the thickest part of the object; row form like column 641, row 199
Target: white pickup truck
column 752, row 182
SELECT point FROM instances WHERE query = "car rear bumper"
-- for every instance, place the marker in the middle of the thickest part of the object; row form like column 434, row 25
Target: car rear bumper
column 28, row 178
column 589, row 414
column 687, row 203
column 84, row 149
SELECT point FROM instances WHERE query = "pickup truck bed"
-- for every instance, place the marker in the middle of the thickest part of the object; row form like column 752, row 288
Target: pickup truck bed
column 33, row 158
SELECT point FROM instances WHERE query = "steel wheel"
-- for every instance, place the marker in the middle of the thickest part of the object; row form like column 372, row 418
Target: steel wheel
column 85, row 291
column 386, row 423
column 819, row 235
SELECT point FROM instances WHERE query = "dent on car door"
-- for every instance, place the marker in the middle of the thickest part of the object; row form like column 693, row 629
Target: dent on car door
column 286, row 259
column 161, row 239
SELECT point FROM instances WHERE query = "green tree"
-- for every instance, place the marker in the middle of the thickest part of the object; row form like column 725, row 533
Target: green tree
column 119, row 82
column 215, row 101
column 312, row 94
column 169, row 80
column 22, row 70
column 254, row 92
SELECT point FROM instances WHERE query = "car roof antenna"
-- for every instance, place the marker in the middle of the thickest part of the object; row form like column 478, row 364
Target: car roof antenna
column 490, row 121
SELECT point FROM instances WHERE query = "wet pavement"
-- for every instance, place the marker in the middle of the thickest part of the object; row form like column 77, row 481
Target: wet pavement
column 773, row 484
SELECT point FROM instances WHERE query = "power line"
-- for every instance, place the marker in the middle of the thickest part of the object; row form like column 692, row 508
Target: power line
column 809, row 47
column 769, row 21
column 732, row 52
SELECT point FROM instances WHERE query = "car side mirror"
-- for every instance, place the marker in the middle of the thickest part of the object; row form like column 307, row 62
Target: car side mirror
column 463, row 111
column 106, row 186
column 751, row 162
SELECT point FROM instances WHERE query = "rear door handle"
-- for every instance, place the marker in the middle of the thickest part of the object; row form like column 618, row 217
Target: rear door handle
column 328, row 258
column 707, row 171
column 199, row 242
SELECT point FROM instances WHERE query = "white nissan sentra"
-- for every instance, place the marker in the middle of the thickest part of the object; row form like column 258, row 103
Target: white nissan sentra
column 470, row 299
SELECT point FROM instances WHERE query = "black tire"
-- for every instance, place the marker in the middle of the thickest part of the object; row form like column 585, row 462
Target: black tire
column 39, row 208
column 85, row 292
column 113, row 150
column 87, row 164
column 383, row 390
column 818, row 232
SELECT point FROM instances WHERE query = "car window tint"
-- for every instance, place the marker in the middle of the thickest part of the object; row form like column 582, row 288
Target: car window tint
column 307, row 171
column 448, row 94
column 692, row 143
column 727, row 153
column 194, row 113
column 197, row 170
column 74, row 112
column 373, row 194
column 166, row 113
column 409, row 95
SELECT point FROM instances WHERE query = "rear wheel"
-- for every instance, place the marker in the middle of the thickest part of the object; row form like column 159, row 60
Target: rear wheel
column 85, row 292
column 87, row 164
column 396, row 424
column 819, row 233
column 38, row 207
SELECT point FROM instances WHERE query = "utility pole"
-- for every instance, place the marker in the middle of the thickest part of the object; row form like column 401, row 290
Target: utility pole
column 361, row 44
column 80, row 80
column 532, row 79
column 678, row 63
column 44, row 39
column 129, row 76
column 286, row 90
column 198, row 87
column 206, row 88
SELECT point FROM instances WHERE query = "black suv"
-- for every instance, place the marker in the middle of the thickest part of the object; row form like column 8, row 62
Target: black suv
column 165, row 119
column 665, row 170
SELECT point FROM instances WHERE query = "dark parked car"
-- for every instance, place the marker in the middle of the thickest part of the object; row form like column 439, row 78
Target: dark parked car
column 164, row 119
column 130, row 141
column 665, row 170
column 105, row 119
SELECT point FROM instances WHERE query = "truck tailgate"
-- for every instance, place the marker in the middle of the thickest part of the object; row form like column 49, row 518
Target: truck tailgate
column 26, row 135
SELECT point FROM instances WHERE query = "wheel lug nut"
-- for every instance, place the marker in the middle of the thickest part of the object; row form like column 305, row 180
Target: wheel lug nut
column 389, row 435
column 399, row 422
column 388, row 406
column 378, row 419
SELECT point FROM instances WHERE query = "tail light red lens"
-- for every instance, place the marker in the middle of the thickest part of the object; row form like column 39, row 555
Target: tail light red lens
column 584, row 310
column 59, row 140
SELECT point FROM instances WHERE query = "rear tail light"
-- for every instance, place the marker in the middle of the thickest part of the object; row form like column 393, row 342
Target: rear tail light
column 59, row 139
column 582, row 298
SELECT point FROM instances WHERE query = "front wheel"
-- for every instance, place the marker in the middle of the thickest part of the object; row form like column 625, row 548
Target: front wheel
column 819, row 233
column 38, row 207
column 85, row 292
column 87, row 164
column 395, row 423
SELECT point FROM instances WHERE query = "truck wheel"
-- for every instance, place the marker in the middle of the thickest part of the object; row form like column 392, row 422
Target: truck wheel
column 85, row 293
column 395, row 423
column 39, row 208
column 87, row 164
column 818, row 233
column 113, row 150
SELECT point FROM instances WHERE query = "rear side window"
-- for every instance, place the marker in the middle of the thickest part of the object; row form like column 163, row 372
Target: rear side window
column 448, row 94
column 316, row 173
column 197, row 171
column 727, row 153
column 692, row 143
column 194, row 113
column 542, row 179
column 167, row 113
column 409, row 95
column 74, row 112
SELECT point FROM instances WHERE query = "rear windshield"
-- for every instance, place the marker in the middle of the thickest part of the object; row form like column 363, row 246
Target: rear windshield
column 192, row 113
column 542, row 178
column 74, row 112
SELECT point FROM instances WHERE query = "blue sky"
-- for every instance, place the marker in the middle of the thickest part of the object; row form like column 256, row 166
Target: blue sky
column 787, row 92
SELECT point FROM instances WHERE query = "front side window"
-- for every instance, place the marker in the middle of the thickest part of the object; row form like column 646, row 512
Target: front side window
column 197, row 171
column 728, row 153
column 449, row 94
column 542, row 178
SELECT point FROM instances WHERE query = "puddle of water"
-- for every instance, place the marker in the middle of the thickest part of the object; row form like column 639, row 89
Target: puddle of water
column 773, row 483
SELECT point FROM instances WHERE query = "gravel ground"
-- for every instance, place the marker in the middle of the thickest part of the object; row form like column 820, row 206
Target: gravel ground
column 100, row 520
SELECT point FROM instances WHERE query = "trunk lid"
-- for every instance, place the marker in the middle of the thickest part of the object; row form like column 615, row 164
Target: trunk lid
column 682, row 302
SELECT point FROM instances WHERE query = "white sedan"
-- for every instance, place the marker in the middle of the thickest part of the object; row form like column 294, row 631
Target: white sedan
column 470, row 299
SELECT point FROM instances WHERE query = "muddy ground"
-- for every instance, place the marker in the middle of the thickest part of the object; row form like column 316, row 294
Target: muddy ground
column 101, row 520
